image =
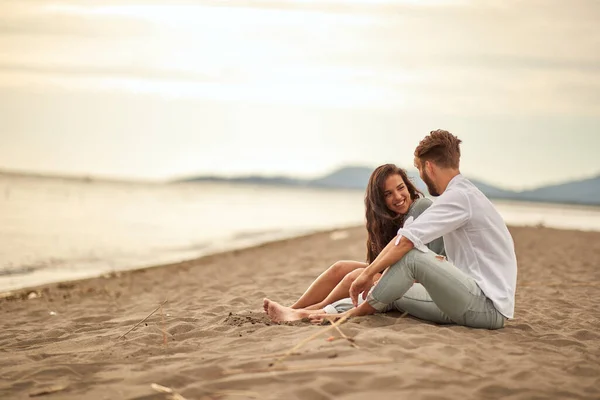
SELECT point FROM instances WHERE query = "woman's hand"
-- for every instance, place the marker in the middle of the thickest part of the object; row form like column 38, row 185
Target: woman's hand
column 363, row 283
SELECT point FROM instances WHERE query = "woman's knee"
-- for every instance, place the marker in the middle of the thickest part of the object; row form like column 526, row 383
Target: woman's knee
column 351, row 276
column 340, row 269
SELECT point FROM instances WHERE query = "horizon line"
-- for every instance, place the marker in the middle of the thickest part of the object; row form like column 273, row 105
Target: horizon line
column 157, row 181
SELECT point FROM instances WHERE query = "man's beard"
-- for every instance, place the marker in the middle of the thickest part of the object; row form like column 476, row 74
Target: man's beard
column 430, row 186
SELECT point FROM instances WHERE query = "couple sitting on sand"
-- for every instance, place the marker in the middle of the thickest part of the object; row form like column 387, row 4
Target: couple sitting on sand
column 408, row 240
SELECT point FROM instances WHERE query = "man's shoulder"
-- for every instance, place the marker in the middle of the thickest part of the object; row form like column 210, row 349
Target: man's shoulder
column 471, row 192
column 457, row 196
column 458, row 191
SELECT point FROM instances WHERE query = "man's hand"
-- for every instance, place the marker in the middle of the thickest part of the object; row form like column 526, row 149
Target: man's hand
column 321, row 319
column 363, row 283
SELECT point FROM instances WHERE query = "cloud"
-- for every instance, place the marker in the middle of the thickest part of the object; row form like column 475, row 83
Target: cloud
column 91, row 71
column 485, row 56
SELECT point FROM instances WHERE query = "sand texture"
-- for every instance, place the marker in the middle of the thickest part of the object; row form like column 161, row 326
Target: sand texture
column 212, row 340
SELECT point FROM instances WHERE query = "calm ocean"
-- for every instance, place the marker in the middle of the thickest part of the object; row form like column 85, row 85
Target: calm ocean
column 55, row 230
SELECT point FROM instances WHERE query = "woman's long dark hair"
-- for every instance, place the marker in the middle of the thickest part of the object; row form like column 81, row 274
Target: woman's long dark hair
column 383, row 224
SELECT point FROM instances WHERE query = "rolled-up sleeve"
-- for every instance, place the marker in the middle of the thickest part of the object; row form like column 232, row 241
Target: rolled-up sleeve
column 449, row 212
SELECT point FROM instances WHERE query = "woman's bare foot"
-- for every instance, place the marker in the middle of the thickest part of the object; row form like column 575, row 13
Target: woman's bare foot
column 279, row 313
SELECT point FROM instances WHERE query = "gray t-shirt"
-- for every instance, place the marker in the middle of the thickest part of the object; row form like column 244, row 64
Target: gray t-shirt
column 417, row 208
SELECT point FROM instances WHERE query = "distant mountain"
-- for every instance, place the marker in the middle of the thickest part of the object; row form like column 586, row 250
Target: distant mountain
column 585, row 191
column 356, row 177
column 492, row 191
column 256, row 179
column 352, row 177
column 347, row 178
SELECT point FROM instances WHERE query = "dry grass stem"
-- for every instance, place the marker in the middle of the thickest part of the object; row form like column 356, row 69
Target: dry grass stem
column 276, row 355
column 349, row 339
column 311, row 337
column 162, row 327
column 47, row 390
column 172, row 395
column 308, row 367
column 138, row 324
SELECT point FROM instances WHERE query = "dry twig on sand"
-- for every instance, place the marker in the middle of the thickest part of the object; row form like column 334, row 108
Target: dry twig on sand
column 276, row 355
column 336, row 325
column 349, row 339
column 273, row 367
column 47, row 390
column 162, row 327
column 308, row 339
column 149, row 315
column 173, row 395
column 308, row 367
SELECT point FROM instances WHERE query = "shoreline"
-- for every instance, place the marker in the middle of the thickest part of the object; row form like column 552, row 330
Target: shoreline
column 23, row 292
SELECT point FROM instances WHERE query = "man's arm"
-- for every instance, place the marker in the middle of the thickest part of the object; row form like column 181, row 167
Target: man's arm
column 391, row 254
column 449, row 212
column 364, row 309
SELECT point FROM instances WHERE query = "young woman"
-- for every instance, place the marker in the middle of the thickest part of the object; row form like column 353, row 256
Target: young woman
column 391, row 200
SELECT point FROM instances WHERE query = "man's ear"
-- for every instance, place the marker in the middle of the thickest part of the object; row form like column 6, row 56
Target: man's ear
column 428, row 166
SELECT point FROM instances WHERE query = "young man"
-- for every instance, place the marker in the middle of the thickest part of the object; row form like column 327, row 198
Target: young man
column 475, row 287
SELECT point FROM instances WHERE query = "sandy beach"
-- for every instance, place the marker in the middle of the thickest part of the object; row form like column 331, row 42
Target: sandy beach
column 211, row 340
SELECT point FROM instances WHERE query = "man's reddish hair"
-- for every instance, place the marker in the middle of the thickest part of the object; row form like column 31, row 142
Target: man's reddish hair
column 440, row 147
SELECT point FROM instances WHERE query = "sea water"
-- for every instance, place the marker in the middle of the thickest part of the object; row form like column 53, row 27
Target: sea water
column 63, row 229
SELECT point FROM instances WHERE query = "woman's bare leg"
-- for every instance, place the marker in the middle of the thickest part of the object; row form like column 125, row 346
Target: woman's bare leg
column 280, row 313
column 339, row 292
column 342, row 290
column 326, row 282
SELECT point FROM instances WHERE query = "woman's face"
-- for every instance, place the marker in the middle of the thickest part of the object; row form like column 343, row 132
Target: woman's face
column 395, row 193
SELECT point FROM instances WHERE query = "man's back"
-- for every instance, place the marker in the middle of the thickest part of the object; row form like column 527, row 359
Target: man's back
column 482, row 246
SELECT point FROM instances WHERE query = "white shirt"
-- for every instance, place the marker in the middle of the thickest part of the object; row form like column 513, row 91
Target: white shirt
column 476, row 238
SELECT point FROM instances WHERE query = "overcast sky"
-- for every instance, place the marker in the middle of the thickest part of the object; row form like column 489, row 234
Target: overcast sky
column 155, row 91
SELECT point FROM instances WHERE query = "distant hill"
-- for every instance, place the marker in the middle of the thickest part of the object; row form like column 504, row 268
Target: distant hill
column 353, row 177
column 585, row 191
column 492, row 191
column 262, row 180
column 347, row 178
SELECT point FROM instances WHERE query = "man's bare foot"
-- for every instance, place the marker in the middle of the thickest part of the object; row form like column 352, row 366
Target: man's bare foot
column 279, row 313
